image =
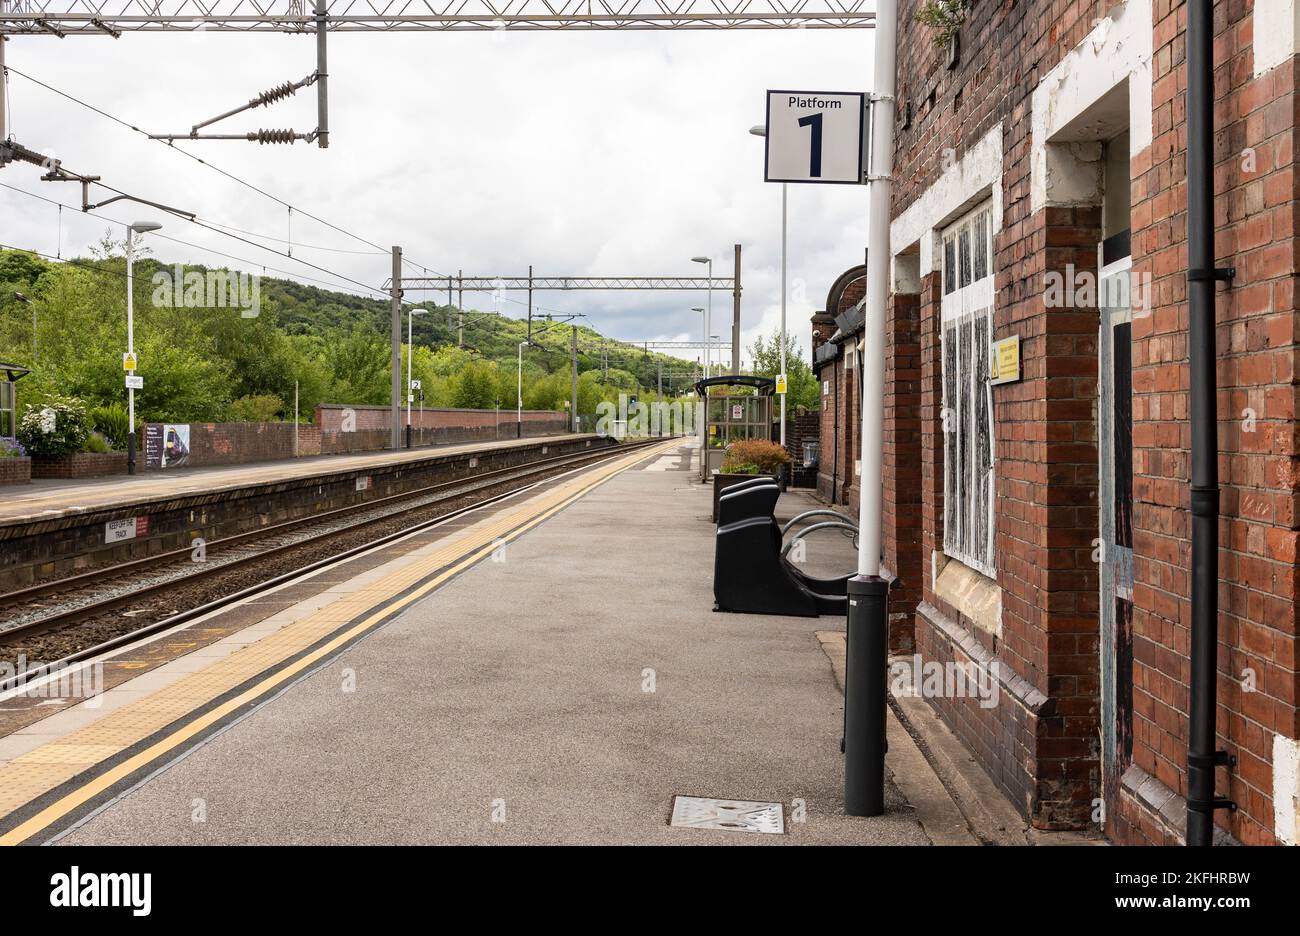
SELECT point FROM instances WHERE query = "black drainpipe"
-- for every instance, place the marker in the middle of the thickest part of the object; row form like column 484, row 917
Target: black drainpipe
column 1203, row 755
column 835, row 462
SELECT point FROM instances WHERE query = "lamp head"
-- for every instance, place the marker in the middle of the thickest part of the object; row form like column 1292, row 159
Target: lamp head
column 697, row 308
column 760, row 130
column 701, row 259
column 141, row 227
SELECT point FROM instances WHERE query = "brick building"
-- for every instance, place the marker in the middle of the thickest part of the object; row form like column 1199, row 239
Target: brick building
column 1040, row 527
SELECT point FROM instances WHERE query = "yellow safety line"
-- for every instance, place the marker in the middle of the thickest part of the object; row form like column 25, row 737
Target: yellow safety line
column 104, row 781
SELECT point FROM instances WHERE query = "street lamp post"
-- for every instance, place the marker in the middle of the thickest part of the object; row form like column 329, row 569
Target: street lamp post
column 410, row 354
column 762, row 132
column 139, row 227
column 704, row 320
column 708, row 317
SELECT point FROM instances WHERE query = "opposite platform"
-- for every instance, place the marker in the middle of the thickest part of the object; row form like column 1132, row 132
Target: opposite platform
column 48, row 498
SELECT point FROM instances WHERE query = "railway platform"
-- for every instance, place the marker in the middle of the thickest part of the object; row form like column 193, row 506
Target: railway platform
column 49, row 498
column 545, row 670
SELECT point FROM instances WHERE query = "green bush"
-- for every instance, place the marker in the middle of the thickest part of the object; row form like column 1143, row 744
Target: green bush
column 96, row 443
column 56, row 427
column 261, row 407
column 754, row 456
column 113, row 423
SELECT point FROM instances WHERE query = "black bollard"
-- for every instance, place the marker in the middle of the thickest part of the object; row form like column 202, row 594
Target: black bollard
column 866, row 674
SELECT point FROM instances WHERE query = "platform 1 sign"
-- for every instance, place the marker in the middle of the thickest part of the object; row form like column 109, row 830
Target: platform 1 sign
column 816, row 136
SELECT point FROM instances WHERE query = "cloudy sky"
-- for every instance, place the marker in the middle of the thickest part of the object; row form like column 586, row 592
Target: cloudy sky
column 614, row 154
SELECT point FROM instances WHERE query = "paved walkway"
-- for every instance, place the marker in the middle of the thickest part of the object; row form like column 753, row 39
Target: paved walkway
column 561, row 692
column 49, row 497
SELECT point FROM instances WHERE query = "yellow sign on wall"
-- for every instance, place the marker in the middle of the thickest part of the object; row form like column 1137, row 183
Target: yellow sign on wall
column 1005, row 361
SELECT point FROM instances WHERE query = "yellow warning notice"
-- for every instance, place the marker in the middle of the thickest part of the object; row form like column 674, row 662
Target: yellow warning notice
column 1005, row 361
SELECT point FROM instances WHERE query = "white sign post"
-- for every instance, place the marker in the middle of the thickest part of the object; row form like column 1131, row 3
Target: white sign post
column 815, row 136
column 821, row 137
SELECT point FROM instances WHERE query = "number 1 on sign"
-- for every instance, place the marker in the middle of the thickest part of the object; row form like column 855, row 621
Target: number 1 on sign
column 815, row 149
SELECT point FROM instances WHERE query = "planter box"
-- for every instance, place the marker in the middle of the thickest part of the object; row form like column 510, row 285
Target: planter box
column 723, row 481
column 80, row 465
column 15, row 470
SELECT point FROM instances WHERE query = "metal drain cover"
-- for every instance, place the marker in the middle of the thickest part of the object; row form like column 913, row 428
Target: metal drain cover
column 699, row 812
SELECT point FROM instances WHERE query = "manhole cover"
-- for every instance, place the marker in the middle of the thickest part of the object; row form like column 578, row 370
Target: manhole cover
column 699, row 812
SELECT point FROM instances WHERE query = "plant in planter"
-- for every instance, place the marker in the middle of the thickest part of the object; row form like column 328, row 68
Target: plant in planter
column 54, row 428
column 748, row 458
column 755, row 457
column 15, row 466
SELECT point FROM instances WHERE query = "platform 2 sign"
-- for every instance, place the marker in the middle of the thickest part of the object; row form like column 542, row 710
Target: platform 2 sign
column 816, row 136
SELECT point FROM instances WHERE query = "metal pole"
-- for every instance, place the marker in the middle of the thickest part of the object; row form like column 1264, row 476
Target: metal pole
column 4, row 89
column 460, row 309
column 867, row 652
column 395, row 363
column 530, row 302
column 130, row 348
column 519, row 412
column 295, row 419
column 705, row 364
column 735, row 317
column 1202, row 745
column 322, row 78
column 573, row 389
column 410, row 338
column 784, row 188
column 708, row 325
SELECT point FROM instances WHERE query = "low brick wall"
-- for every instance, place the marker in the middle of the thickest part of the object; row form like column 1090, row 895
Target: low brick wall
column 243, row 443
column 15, row 470
column 80, row 465
column 331, row 416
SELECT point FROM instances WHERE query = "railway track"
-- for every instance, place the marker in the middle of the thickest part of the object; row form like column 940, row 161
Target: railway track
column 83, row 615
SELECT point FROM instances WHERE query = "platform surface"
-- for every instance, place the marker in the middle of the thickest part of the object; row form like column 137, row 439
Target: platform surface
column 44, row 498
column 561, row 690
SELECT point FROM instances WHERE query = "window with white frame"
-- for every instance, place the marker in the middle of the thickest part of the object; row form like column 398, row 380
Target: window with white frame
column 967, row 327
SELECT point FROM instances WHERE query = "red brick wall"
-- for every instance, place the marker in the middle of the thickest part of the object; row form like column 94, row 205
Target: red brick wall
column 1256, row 314
column 330, row 417
column 80, row 465
column 901, row 513
column 15, row 470
column 1040, row 742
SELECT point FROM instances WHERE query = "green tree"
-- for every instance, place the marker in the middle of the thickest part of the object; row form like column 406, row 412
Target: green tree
column 801, row 391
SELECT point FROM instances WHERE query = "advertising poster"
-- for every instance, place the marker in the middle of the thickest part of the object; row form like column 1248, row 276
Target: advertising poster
column 166, row 445
column 176, row 445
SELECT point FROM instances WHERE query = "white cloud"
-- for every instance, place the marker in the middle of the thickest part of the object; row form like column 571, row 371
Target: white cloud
column 619, row 153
